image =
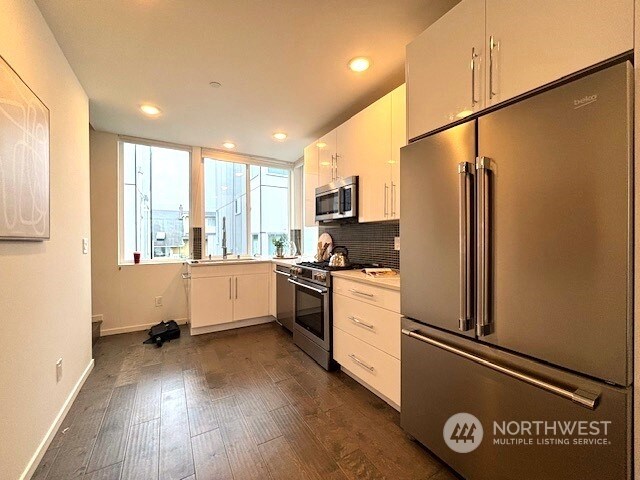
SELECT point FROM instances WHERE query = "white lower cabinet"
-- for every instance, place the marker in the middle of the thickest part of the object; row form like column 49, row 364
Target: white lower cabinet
column 374, row 367
column 223, row 294
column 251, row 296
column 211, row 301
column 366, row 335
column 376, row 326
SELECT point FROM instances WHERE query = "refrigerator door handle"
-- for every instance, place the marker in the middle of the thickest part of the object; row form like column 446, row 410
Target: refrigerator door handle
column 464, row 218
column 484, row 325
column 581, row 397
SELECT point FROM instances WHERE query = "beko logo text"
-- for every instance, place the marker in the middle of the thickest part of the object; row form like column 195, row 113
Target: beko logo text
column 584, row 101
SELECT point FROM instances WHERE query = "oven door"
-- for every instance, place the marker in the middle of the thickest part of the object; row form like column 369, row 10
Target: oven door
column 312, row 312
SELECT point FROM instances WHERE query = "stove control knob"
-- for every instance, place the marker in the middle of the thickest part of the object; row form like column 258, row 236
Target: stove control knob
column 321, row 277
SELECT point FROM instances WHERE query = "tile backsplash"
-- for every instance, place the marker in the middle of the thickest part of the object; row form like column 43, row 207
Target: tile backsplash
column 368, row 242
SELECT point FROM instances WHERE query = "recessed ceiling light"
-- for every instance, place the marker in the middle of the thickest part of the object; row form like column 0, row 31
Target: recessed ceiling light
column 321, row 144
column 215, row 84
column 359, row 64
column 229, row 145
column 280, row 136
column 325, row 164
column 151, row 110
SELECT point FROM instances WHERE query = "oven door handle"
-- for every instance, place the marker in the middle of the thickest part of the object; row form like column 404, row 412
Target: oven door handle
column 321, row 292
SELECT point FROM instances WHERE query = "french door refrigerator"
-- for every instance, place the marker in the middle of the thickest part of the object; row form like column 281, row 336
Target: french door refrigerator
column 517, row 280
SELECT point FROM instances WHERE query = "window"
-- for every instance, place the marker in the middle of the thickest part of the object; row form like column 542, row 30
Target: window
column 269, row 207
column 225, row 202
column 155, row 202
column 248, row 221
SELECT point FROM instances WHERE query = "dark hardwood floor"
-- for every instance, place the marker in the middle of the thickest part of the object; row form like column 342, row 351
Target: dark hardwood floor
column 242, row 404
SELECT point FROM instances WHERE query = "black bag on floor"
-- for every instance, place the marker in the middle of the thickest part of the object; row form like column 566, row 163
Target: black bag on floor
column 163, row 332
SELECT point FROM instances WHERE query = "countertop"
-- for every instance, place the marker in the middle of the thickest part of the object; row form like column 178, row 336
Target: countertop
column 231, row 261
column 392, row 283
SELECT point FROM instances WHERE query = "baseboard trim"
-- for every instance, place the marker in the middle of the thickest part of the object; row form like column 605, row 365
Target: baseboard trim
column 53, row 429
column 231, row 325
column 370, row 388
column 136, row 328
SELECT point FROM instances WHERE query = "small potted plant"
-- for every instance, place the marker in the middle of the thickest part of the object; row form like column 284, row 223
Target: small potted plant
column 279, row 242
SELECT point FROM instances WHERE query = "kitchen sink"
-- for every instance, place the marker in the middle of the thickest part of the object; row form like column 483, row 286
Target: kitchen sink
column 231, row 259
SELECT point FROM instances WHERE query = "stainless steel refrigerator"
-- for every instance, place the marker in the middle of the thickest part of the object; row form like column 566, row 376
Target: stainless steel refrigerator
column 517, row 284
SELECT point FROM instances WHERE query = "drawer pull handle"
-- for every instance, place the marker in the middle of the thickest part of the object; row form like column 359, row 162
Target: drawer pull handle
column 581, row 397
column 358, row 292
column 357, row 321
column 360, row 362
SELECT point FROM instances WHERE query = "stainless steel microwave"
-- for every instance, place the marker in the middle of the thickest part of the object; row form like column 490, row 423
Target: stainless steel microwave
column 337, row 201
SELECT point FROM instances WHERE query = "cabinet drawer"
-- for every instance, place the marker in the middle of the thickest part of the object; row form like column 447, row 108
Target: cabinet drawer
column 373, row 325
column 221, row 270
column 374, row 367
column 380, row 297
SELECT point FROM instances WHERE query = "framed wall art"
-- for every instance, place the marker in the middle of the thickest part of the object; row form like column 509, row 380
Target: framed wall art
column 24, row 160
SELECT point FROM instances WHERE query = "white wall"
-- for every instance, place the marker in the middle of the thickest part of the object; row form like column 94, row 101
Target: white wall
column 125, row 295
column 45, row 287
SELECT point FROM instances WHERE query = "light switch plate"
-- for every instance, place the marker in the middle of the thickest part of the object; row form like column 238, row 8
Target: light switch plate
column 85, row 246
column 396, row 243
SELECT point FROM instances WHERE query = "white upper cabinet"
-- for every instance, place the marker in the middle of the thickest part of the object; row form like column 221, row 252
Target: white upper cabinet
column 368, row 146
column 483, row 52
column 349, row 154
column 375, row 153
column 439, row 74
column 398, row 140
column 327, row 151
column 538, row 44
column 310, row 183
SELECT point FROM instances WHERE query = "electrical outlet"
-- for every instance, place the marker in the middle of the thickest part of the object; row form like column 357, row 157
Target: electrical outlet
column 396, row 243
column 158, row 301
column 85, row 246
column 59, row 370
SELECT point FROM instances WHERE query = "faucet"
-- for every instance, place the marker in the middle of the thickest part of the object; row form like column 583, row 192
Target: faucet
column 224, row 238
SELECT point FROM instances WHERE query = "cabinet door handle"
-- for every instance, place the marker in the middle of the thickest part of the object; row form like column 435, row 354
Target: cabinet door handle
column 336, row 167
column 493, row 45
column 359, row 322
column 236, row 288
column 361, row 363
column 393, row 199
column 474, row 55
column 358, row 292
column 229, row 288
column 386, row 191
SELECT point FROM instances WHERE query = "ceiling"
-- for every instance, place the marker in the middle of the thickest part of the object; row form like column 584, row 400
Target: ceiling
column 282, row 64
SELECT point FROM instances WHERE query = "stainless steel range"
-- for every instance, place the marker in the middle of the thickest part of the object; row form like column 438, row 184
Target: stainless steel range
column 313, row 324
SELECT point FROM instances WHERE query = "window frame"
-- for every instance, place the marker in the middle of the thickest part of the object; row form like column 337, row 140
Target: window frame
column 122, row 139
column 248, row 161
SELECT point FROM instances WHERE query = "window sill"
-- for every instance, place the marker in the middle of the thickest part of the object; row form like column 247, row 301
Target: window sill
column 131, row 263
